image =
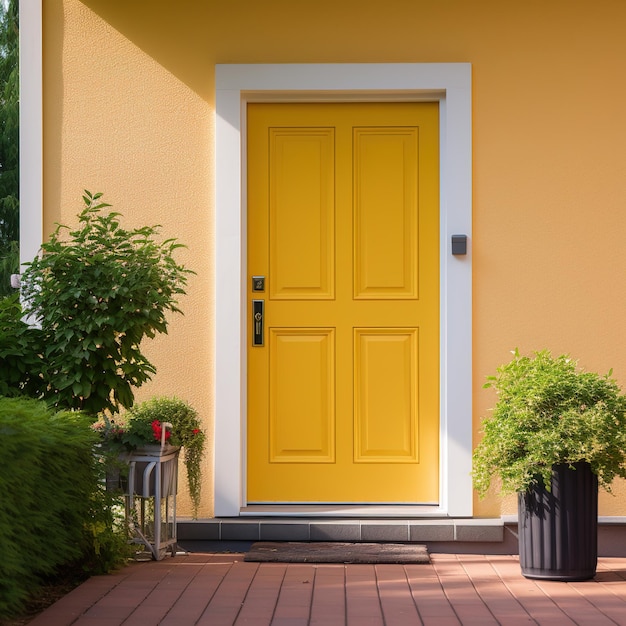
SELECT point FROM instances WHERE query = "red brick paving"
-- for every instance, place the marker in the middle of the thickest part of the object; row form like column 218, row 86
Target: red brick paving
column 222, row 590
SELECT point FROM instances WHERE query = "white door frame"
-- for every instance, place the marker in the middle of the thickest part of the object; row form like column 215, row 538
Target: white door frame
column 448, row 83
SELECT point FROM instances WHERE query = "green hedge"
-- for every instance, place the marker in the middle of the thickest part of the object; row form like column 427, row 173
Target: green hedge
column 53, row 509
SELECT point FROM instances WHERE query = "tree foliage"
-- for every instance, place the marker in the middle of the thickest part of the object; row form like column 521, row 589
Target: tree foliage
column 20, row 360
column 9, row 143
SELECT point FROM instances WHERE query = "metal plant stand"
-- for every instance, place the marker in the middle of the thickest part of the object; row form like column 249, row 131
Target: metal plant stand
column 151, row 498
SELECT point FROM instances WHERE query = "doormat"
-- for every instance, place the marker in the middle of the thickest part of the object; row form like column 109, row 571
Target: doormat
column 332, row 552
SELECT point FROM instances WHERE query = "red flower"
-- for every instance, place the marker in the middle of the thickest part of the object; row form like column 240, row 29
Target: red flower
column 157, row 430
column 196, row 431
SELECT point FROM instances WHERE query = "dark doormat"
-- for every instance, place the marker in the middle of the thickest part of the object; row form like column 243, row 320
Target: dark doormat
column 332, row 552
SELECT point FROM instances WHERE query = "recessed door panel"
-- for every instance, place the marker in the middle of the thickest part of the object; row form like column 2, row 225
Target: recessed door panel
column 386, row 212
column 386, row 395
column 302, row 394
column 301, row 212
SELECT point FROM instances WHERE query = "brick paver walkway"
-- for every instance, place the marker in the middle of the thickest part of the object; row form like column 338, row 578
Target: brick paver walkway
column 222, row 590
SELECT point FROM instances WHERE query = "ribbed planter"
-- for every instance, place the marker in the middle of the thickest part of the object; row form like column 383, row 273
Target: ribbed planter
column 558, row 530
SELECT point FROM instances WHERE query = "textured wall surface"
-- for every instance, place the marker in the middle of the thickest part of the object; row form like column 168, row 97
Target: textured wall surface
column 128, row 111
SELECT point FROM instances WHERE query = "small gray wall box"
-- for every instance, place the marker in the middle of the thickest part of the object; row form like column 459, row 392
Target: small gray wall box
column 459, row 244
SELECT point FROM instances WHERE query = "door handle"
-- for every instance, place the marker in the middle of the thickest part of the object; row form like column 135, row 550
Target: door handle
column 258, row 322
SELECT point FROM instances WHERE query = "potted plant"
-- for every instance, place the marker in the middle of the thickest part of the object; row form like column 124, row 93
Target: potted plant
column 555, row 434
column 142, row 430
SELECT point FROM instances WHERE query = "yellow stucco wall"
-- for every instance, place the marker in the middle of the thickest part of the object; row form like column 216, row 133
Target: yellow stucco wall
column 128, row 110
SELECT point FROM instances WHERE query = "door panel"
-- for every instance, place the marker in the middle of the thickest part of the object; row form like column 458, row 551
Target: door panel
column 343, row 221
column 302, row 383
column 385, row 212
column 301, row 199
column 385, row 409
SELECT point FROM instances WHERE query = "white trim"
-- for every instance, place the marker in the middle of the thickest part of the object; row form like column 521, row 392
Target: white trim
column 450, row 83
column 31, row 129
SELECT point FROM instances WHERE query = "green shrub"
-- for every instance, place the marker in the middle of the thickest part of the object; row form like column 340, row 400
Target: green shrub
column 550, row 412
column 96, row 292
column 52, row 511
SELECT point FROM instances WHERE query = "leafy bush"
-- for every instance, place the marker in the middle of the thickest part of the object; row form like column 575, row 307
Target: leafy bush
column 54, row 508
column 97, row 292
column 549, row 412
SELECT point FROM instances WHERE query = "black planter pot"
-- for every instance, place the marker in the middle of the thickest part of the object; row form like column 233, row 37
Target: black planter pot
column 558, row 530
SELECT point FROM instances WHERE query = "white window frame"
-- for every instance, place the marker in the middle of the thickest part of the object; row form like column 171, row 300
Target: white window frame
column 448, row 83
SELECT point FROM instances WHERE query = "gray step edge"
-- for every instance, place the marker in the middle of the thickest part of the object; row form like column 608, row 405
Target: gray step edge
column 272, row 529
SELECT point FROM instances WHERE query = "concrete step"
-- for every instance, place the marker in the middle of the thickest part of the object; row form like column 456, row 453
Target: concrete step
column 431, row 531
column 444, row 535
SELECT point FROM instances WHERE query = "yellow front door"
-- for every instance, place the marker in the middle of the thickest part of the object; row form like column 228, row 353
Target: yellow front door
column 343, row 225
